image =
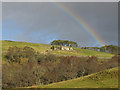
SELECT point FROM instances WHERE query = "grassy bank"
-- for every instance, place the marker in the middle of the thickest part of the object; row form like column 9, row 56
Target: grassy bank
column 104, row 79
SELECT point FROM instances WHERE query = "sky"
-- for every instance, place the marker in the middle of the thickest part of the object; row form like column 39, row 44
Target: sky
column 43, row 22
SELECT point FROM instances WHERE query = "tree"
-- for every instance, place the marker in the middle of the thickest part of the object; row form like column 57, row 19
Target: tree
column 64, row 43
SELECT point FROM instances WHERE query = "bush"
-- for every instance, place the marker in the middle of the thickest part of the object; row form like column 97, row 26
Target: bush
column 16, row 54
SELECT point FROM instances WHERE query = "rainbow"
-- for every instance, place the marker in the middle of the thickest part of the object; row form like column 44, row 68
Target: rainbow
column 81, row 22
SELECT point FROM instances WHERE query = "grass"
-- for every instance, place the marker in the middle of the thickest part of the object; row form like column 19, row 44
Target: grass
column 42, row 48
column 103, row 79
column 37, row 47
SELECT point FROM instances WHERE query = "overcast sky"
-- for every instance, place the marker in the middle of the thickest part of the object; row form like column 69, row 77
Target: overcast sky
column 39, row 22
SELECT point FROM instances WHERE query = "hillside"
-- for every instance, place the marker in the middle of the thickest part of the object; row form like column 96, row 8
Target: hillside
column 24, row 66
column 103, row 79
column 44, row 48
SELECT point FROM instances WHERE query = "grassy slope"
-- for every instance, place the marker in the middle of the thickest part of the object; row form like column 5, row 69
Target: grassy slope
column 43, row 47
column 37, row 47
column 104, row 79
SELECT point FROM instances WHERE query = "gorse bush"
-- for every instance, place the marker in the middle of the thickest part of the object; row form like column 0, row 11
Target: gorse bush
column 26, row 54
column 15, row 54
column 26, row 67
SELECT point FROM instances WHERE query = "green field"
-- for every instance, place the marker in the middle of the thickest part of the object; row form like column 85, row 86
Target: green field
column 44, row 48
column 103, row 79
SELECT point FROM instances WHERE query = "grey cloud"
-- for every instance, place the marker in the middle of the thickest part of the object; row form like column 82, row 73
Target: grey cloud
column 44, row 22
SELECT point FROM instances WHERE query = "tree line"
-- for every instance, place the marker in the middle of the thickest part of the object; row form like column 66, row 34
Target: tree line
column 107, row 48
column 111, row 49
column 64, row 43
